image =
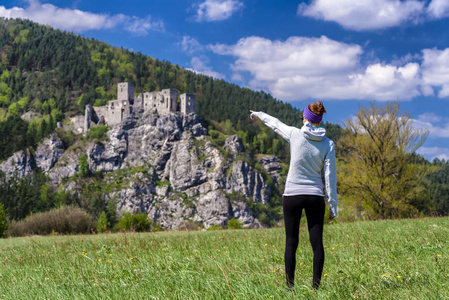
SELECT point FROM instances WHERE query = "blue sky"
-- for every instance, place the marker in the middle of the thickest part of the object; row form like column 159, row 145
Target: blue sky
column 344, row 52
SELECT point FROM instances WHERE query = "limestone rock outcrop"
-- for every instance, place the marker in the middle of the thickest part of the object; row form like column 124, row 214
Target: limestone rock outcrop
column 273, row 166
column 173, row 172
column 233, row 145
column 49, row 153
column 22, row 163
column 19, row 164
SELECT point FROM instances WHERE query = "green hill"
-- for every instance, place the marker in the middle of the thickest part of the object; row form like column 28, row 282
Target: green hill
column 55, row 74
column 42, row 63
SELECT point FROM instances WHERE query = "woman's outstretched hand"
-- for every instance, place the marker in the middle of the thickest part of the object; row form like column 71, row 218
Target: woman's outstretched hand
column 251, row 115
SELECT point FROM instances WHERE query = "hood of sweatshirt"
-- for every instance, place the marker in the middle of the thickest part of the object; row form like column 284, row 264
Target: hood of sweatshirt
column 313, row 133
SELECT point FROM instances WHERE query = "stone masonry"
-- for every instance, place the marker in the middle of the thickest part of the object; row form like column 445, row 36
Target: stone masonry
column 125, row 105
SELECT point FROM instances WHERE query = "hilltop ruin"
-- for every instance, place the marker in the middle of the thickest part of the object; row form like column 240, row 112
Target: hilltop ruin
column 126, row 106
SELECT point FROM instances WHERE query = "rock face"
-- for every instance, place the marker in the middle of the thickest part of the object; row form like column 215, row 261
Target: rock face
column 19, row 164
column 45, row 157
column 247, row 182
column 49, row 153
column 109, row 156
column 180, row 179
column 233, row 145
column 273, row 166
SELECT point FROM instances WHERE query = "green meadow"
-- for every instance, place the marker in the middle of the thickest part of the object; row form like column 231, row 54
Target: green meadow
column 401, row 259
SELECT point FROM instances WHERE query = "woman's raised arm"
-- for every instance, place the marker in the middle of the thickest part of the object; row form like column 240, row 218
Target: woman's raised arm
column 280, row 128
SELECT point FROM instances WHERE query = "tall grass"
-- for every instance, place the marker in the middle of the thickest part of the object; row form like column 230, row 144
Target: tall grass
column 402, row 259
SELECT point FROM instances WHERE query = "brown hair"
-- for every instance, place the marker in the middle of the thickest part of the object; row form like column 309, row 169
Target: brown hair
column 317, row 108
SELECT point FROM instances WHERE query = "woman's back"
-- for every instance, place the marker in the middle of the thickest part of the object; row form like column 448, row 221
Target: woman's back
column 309, row 148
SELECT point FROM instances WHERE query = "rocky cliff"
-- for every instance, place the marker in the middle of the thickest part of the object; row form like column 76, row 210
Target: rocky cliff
column 165, row 166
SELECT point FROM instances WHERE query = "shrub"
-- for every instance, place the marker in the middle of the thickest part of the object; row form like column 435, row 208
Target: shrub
column 63, row 220
column 67, row 137
column 213, row 133
column 135, row 222
column 189, row 225
column 234, row 224
column 163, row 183
column 214, row 227
column 98, row 132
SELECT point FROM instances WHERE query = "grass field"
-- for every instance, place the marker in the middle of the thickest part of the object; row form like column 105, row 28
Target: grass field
column 400, row 259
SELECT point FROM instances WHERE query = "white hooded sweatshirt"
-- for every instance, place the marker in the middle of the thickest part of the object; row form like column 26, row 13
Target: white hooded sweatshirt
column 311, row 153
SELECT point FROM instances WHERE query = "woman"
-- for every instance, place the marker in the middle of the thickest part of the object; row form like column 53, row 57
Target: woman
column 311, row 153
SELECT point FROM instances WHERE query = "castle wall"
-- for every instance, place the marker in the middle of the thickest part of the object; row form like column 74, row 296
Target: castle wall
column 78, row 123
column 163, row 103
column 188, row 104
column 117, row 111
column 101, row 111
column 171, row 99
column 151, row 100
column 138, row 103
column 87, row 117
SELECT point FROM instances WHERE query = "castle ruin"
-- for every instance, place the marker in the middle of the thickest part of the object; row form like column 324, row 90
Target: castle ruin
column 125, row 105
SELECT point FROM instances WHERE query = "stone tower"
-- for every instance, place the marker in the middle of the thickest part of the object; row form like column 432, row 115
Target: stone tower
column 188, row 104
column 122, row 107
column 125, row 91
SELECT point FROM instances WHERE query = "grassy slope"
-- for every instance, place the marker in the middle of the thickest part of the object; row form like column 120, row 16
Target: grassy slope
column 403, row 259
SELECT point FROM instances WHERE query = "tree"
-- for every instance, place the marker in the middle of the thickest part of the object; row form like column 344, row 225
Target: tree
column 3, row 221
column 83, row 164
column 102, row 223
column 437, row 188
column 376, row 174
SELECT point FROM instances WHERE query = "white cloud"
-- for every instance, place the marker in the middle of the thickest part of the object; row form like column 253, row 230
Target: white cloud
column 78, row 20
column 385, row 82
column 405, row 59
column 217, row 10
column 237, row 77
column 438, row 9
column 438, row 128
column 428, row 122
column 434, row 152
column 303, row 68
column 363, row 14
column 191, row 45
column 294, row 69
column 141, row 26
column 435, row 71
column 199, row 65
column 430, row 116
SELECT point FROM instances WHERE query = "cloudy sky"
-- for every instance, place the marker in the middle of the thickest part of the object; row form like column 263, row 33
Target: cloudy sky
column 344, row 52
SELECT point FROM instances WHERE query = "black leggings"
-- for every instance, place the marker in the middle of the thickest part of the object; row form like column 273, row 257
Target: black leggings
column 314, row 207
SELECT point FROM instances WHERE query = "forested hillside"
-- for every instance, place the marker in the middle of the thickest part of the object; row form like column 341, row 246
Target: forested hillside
column 55, row 74
column 48, row 76
column 48, row 65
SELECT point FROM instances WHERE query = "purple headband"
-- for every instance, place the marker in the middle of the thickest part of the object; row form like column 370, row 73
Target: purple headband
column 314, row 118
